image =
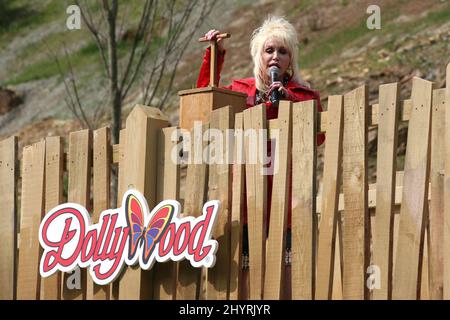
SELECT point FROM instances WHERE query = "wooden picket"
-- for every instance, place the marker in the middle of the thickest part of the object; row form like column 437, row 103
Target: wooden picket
column 326, row 249
column 436, row 212
column 276, row 244
column 331, row 230
column 220, row 170
column 168, row 188
column 386, row 168
column 32, row 205
column 304, row 218
column 256, row 187
column 54, row 168
column 355, row 188
column 8, row 217
column 415, row 193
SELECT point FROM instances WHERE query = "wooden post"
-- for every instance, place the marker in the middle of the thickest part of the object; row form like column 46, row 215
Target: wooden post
column 330, row 200
column 54, row 168
column 437, row 175
column 8, row 218
column 415, row 193
column 220, row 189
column 32, row 208
column 355, row 185
column 276, row 244
column 141, row 150
column 79, row 167
column 165, row 274
column 385, row 194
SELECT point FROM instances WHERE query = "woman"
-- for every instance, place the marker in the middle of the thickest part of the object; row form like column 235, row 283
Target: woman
column 275, row 43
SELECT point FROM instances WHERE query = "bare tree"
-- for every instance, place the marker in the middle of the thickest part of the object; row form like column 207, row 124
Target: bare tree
column 158, row 43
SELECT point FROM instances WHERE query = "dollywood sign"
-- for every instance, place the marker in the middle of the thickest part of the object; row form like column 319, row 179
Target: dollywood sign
column 126, row 235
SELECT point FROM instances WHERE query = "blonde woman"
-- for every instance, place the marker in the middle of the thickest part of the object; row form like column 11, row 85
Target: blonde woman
column 275, row 43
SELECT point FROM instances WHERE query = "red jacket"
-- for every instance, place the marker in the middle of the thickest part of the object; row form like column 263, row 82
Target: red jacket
column 296, row 92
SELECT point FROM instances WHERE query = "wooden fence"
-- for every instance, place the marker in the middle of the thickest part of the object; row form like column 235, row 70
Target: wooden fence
column 353, row 240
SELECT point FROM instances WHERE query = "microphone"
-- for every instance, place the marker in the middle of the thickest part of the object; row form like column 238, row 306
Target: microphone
column 274, row 72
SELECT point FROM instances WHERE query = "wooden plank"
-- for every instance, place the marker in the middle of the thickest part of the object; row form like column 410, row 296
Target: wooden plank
column 191, row 281
column 276, row 243
column 255, row 118
column 385, row 193
column 304, row 218
column 219, row 183
column 8, row 217
column 415, row 191
column 120, row 171
column 54, row 163
column 168, row 188
column 32, row 207
column 141, row 149
column 326, row 260
column 436, row 213
column 446, row 243
column 102, row 159
column 355, row 186
column 237, row 209
column 79, row 168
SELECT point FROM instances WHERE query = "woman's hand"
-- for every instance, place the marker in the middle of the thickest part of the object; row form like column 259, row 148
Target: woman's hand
column 278, row 85
column 211, row 35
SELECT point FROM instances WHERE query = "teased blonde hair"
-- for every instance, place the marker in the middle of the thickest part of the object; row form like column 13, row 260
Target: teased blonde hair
column 274, row 28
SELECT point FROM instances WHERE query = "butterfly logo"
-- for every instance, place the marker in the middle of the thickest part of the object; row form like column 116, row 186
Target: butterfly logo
column 148, row 233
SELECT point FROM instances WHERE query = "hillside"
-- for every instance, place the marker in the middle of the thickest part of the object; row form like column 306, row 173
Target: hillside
column 337, row 53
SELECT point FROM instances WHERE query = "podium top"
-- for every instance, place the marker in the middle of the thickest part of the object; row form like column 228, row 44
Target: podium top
column 210, row 89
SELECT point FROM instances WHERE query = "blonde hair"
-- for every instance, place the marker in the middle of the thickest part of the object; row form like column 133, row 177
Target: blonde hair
column 274, row 28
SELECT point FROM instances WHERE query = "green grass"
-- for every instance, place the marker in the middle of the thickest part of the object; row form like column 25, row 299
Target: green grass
column 47, row 67
column 333, row 44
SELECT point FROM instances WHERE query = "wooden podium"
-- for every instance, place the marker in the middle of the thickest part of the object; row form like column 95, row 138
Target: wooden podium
column 197, row 104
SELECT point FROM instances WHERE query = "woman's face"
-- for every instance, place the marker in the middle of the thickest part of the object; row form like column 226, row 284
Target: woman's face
column 275, row 53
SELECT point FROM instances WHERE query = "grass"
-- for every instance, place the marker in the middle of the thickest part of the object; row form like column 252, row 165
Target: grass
column 46, row 68
column 336, row 43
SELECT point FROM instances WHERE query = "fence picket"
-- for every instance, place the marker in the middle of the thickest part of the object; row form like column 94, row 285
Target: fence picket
column 79, row 168
column 8, row 217
column 436, row 217
column 140, row 173
column 386, row 167
column 446, row 243
column 168, row 188
column 355, row 186
column 274, row 285
column 415, row 193
column 304, row 217
column 191, row 282
column 218, row 284
column 330, row 200
column 32, row 207
column 54, row 168
column 237, row 207
column 255, row 118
